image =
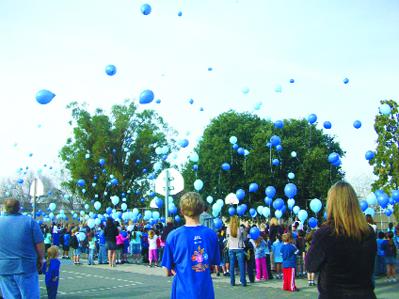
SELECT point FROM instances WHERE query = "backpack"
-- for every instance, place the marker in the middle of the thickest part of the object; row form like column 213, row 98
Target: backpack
column 74, row 242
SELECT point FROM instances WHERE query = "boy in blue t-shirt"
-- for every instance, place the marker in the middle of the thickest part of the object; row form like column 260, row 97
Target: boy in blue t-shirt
column 189, row 253
column 380, row 254
column 289, row 252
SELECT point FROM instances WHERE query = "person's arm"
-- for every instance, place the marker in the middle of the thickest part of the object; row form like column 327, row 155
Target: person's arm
column 316, row 255
column 39, row 247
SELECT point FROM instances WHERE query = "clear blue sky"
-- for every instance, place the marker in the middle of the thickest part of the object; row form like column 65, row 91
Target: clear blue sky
column 64, row 46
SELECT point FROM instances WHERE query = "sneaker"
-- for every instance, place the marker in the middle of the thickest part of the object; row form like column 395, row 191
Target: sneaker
column 218, row 274
column 296, row 290
column 310, row 283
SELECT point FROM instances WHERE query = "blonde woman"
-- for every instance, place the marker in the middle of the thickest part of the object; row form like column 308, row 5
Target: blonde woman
column 343, row 249
column 235, row 242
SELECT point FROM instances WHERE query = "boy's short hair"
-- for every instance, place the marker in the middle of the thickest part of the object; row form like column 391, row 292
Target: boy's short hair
column 191, row 204
column 286, row 237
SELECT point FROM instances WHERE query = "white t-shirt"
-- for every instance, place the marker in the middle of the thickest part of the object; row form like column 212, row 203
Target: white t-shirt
column 55, row 229
column 152, row 243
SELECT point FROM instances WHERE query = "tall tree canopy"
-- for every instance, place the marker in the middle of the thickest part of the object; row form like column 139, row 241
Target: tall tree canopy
column 113, row 154
column 386, row 160
column 313, row 172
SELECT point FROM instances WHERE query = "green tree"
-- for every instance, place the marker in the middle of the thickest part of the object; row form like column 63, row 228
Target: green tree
column 313, row 174
column 126, row 139
column 386, row 160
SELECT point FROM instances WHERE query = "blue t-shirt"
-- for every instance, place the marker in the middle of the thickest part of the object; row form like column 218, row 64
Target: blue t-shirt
column 190, row 251
column 276, row 248
column 52, row 274
column 289, row 255
column 380, row 249
column 67, row 237
column 260, row 251
column 101, row 238
column 18, row 236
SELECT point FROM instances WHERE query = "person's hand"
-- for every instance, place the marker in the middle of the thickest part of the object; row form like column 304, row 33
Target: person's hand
column 40, row 263
column 173, row 272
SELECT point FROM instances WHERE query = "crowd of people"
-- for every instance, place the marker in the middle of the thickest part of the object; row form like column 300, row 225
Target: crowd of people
column 346, row 253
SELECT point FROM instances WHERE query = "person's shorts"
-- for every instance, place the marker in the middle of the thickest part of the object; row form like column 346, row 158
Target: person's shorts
column 110, row 245
column 65, row 248
column 119, row 247
column 76, row 252
column 390, row 260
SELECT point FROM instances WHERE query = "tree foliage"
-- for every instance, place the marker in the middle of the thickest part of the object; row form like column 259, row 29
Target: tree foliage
column 386, row 160
column 125, row 139
column 313, row 173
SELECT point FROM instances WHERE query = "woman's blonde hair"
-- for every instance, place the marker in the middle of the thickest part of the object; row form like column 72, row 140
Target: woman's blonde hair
column 273, row 221
column 191, row 204
column 234, row 224
column 52, row 253
column 343, row 212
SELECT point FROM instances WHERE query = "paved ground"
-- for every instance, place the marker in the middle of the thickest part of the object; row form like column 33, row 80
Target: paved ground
column 139, row 281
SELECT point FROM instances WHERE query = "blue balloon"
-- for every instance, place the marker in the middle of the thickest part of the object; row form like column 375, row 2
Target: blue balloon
column 275, row 140
column 240, row 193
column 179, row 14
column 312, row 222
column 278, row 204
column 315, row 205
column 363, row 205
column 102, row 162
column 253, row 187
column 369, row 155
column 226, row 166
column 146, row 9
column 146, row 97
column 252, row 212
column 268, row 201
column 241, row 151
column 383, row 200
column 327, row 125
column 357, row 124
column 114, row 182
column 270, row 191
column 395, row 195
column 158, row 101
column 44, row 96
column 333, row 158
column 291, row 175
column 388, row 212
column 177, row 218
column 235, row 147
column 369, row 211
column 302, row 215
column 290, row 190
column 81, row 182
column 312, row 118
column 346, row 80
column 232, row 211
column 198, row 184
column 233, row 139
column 254, row 233
column 240, row 210
column 110, row 70
column 292, row 81
column 275, row 162
column 20, row 181
column 159, row 202
column 195, row 167
column 218, row 223
column 385, row 109
column 279, row 124
column 109, row 210
column 183, row 143
column 279, row 148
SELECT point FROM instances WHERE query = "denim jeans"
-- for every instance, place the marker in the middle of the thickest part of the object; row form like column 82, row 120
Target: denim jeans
column 52, row 291
column 91, row 257
column 20, row 286
column 102, row 254
column 239, row 255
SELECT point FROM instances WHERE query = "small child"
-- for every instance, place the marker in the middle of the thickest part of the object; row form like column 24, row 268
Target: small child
column 120, row 241
column 152, row 248
column 260, row 259
column 92, row 247
column 289, row 252
column 75, row 246
column 390, row 256
column 268, row 259
column 47, row 239
column 65, row 246
column 277, row 256
column 380, row 254
column 135, row 245
column 51, row 269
